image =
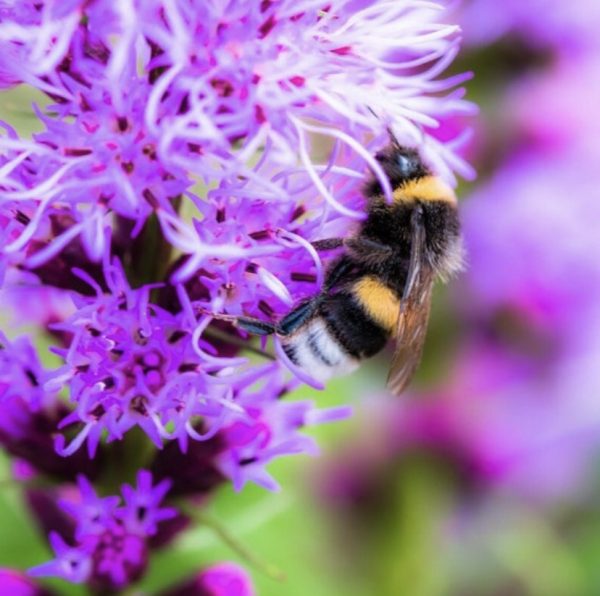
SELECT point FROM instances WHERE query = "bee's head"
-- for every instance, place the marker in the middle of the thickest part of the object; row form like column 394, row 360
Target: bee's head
column 401, row 165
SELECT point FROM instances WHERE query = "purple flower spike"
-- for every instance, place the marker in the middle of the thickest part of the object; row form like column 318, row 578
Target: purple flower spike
column 221, row 579
column 111, row 539
column 149, row 98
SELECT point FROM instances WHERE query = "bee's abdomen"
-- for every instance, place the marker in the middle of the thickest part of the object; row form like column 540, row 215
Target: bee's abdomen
column 318, row 352
column 337, row 339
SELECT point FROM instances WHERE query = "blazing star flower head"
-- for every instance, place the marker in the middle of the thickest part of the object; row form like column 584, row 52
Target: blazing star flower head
column 110, row 548
column 193, row 122
column 148, row 99
column 130, row 363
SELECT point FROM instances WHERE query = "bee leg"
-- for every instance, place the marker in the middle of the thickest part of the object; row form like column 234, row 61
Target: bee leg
column 256, row 326
column 249, row 324
column 368, row 251
column 300, row 315
column 362, row 249
column 334, row 274
column 328, row 243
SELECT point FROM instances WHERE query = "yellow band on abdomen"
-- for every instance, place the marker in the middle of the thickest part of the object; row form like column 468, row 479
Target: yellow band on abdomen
column 379, row 302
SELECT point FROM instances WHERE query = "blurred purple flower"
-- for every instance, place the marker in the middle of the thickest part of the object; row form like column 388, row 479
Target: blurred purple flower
column 14, row 583
column 21, row 374
column 555, row 110
column 567, row 28
column 142, row 512
column 540, row 255
column 110, row 548
column 72, row 564
column 220, row 579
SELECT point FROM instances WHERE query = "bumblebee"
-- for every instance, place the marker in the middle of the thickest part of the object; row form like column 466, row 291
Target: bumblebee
column 380, row 287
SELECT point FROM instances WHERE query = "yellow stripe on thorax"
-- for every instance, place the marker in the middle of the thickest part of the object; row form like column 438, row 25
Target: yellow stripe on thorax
column 379, row 302
column 428, row 188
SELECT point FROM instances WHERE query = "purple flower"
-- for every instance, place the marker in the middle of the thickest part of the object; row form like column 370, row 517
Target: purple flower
column 150, row 101
column 71, row 564
column 539, row 240
column 220, row 579
column 542, row 23
column 546, row 108
column 30, row 413
column 34, row 38
column 142, row 512
column 130, row 363
column 12, row 582
column 111, row 549
column 270, row 432
column 21, row 374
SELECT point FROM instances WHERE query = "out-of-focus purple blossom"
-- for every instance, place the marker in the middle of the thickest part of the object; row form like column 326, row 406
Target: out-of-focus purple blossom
column 543, row 23
column 110, row 549
column 554, row 110
column 142, row 512
column 540, row 255
column 21, row 374
column 71, row 564
column 270, row 431
column 220, row 579
column 14, row 583
column 27, row 302
column 499, row 422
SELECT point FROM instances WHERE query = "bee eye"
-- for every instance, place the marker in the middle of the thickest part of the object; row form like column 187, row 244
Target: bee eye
column 407, row 166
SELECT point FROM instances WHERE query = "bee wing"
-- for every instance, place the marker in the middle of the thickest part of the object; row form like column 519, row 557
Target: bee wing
column 414, row 312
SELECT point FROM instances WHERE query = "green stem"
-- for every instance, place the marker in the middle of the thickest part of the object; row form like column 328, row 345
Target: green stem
column 251, row 558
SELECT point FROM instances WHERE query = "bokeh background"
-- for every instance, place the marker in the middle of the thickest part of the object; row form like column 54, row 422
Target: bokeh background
column 484, row 479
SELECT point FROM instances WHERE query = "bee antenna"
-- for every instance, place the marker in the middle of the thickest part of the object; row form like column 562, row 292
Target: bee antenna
column 388, row 128
column 373, row 112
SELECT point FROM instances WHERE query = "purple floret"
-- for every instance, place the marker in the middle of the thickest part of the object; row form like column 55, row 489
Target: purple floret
column 111, row 538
